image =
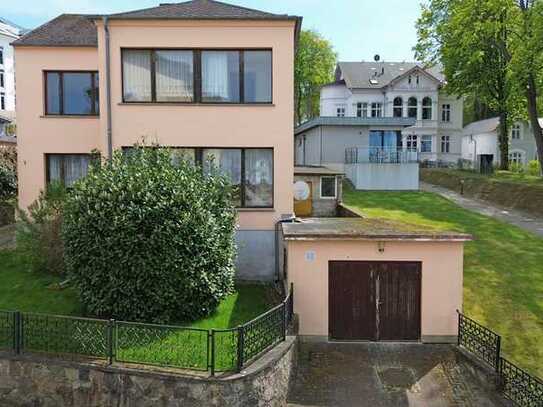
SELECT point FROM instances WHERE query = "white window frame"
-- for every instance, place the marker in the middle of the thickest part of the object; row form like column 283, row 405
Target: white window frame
column 412, row 142
column 517, row 156
column 376, row 108
column 425, row 138
column 340, row 110
column 446, row 142
column 516, row 132
column 362, row 109
column 446, row 113
column 335, row 187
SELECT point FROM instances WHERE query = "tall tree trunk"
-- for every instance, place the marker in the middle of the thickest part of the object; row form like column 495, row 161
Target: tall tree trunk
column 503, row 138
column 298, row 106
column 531, row 97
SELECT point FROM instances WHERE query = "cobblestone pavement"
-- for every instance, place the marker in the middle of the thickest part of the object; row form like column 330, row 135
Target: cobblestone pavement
column 386, row 374
column 525, row 221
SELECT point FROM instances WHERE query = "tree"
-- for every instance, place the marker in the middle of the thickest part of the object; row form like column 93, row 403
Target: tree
column 149, row 240
column 527, row 59
column 314, row 67
column 470, row 38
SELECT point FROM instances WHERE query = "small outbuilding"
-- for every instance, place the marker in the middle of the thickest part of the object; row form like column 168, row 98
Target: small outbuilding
column 317, row 191
column 374, row 280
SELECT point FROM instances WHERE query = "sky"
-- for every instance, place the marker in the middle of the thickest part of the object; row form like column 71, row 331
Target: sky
column 358, row 29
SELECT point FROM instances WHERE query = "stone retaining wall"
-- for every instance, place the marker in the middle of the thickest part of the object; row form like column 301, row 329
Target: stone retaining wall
column 31, row 381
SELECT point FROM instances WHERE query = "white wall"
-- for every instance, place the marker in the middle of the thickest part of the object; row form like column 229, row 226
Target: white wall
column 9, row 73
column 393, row 177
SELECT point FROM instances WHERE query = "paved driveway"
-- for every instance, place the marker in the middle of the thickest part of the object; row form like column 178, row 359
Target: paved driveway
column 395, row 375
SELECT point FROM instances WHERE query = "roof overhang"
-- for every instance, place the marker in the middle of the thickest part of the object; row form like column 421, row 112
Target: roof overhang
column 355, row 121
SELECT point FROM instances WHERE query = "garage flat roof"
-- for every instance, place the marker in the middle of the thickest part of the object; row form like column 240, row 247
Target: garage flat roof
column 364, row 229
column 315, row 170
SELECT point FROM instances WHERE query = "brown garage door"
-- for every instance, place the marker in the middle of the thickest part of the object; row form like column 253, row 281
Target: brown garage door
column 374, row 300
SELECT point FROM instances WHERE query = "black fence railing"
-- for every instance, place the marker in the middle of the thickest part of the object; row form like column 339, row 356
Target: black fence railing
column 517, row 385
column 211, row 350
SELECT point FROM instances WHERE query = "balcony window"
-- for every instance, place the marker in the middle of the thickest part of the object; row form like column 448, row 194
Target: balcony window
column 426, row 144
column 71, row 93
column 446, row 113
column 376, row 109
column 397, row 107
column 66, row 168
column 412, row 108
column 427, row 108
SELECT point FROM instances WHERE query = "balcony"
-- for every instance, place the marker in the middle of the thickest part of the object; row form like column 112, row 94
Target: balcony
column 381, row 155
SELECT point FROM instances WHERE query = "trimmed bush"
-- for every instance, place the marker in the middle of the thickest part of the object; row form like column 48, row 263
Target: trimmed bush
column 39, row 231
column 147, row 240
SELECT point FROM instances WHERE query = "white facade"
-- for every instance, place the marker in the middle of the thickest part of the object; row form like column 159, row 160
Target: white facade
column 415, row 93
column 481, row 138
column 8, row 33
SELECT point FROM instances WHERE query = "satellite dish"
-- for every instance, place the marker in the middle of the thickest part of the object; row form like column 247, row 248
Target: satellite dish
column 301, row 191
column 377, row 58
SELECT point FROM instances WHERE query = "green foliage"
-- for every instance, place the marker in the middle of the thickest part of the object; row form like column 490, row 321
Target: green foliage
column 516, row 167
column 8, row 173
column 148, row 240
column 534, row 168
column 39, row 231
column 313, row 67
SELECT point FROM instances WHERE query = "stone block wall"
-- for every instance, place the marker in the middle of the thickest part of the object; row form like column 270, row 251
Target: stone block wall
column 31, row 381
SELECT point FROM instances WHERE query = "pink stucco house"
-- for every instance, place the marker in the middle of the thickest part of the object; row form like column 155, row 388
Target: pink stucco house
column 205, row 76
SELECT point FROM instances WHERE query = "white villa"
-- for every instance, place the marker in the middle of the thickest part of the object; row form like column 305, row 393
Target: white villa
column 9, row 32
column 383, row 118
column 480, row 146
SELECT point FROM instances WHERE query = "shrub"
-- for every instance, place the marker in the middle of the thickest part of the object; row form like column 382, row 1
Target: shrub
column 534, row 168
column 149, row 240
column 8, row 173
column 39, row 236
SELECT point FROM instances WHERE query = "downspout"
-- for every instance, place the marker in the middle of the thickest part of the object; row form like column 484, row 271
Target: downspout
column 108, row 91
column 287, row 219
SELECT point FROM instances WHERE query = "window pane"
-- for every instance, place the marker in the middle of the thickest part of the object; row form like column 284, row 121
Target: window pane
column 228, row 161
column 75, row 167
column 77, row 93
column 259, row 177
column 53, row 96
column 220, row 76
column 183, row 154
column 257, row 76
column 174, row 76
column 328, row 187
column 426, row 144
column 137, row 76
column 96, row 94
column 54, row 164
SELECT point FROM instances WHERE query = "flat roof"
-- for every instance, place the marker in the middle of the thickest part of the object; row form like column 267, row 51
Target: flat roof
column 315, row 170
column 364, row 229
column 354, row 121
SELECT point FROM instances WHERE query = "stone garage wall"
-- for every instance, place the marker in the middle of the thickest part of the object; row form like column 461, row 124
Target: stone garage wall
column 30, row 381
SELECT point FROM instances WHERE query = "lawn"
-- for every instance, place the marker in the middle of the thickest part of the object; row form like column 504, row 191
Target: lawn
column 143, row 343
column 503, row 266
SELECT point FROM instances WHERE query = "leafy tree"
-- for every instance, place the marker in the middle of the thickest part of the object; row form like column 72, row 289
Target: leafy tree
column 470, row 38
column 314, row 67
column 8, row 173
column 149, row 240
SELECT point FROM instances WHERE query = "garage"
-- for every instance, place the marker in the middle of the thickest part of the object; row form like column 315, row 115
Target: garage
column 371, row 300
column 358, row 279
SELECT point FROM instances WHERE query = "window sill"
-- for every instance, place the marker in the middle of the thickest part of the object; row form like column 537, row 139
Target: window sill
column 255, row 209
column 69, row 116
column 195, row 104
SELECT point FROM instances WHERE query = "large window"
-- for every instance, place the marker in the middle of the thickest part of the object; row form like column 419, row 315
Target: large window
column 201, row 76
column 427, row 108
column 445, row 144
column 412, row 107
column 516, row 157
column 398, row 107
column 66, row 168
column 376, row 109
column 71, row 93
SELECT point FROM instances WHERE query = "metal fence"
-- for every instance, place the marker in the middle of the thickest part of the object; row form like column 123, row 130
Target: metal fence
column 514, row 383
column 381, row 155
column 211, row 350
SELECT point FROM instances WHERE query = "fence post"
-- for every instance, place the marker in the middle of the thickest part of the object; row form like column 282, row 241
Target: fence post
column 459, row 337
column 241, row 344
column 17, row 330
column 110, row 340
column 212, row 364
column 498, row 353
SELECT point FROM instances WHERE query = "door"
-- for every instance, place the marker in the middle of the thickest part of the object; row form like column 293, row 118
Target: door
column 486, row 165
column 374, row 300
column 304, row 207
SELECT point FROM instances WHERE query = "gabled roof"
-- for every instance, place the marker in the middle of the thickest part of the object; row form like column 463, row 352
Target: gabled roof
column 377, row 75
column 79, row 30
column 66, row 30
column 200, row 9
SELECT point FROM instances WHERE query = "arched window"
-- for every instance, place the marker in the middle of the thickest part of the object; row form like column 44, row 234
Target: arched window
column 427, row 108
column 397, row 107
column 412, row 107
